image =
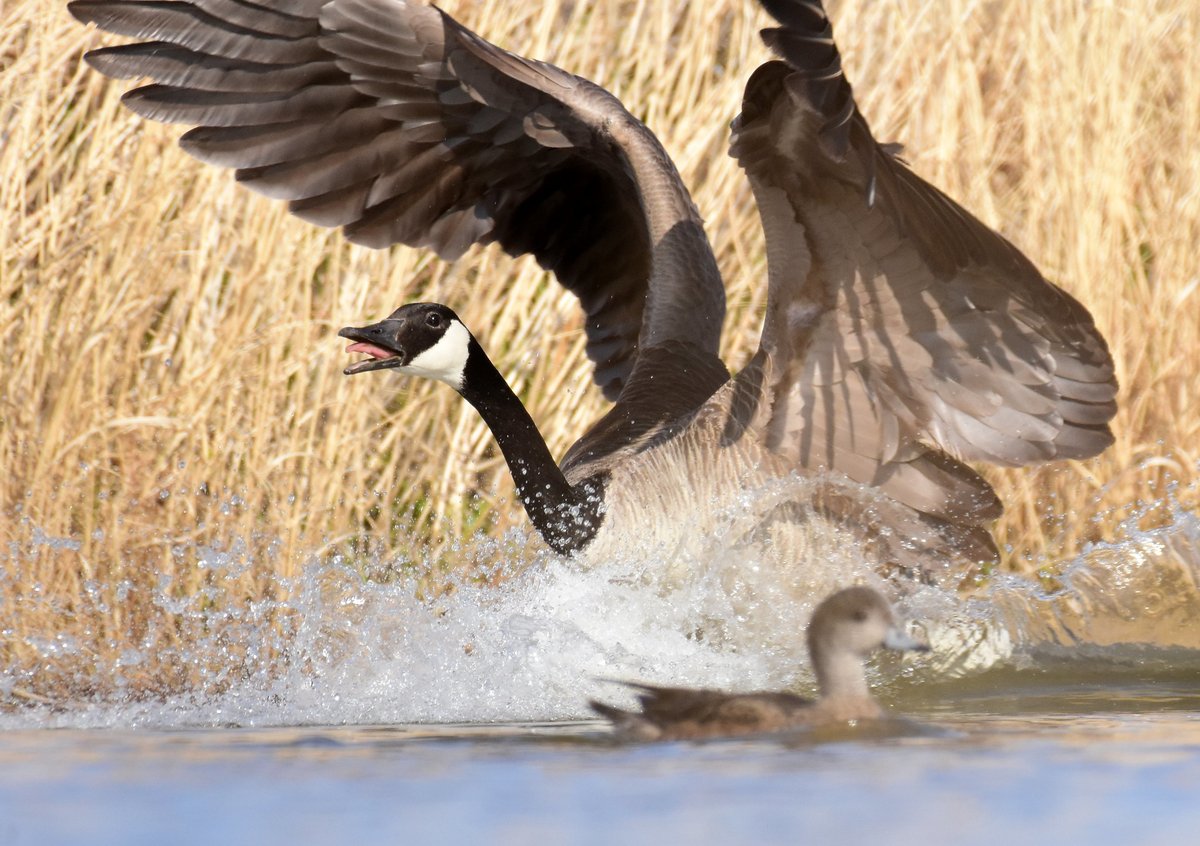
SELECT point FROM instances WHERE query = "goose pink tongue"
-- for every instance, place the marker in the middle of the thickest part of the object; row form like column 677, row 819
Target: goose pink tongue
column 369, row 349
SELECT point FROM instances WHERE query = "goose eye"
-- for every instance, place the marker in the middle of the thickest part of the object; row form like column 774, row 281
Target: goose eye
column 434, row 320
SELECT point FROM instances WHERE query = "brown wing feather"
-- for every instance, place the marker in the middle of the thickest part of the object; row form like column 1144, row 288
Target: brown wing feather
column 391, row 120
column 696, row 713
column 895, row 319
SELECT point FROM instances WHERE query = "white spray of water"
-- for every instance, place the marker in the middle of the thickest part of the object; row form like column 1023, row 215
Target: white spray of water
column 540, row 642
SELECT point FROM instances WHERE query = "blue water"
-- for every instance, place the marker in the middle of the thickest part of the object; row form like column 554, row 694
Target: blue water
column 978, row 778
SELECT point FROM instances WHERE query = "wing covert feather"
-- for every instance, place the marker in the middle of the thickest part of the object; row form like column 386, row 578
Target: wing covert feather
column 389, row 119
column 899, row 325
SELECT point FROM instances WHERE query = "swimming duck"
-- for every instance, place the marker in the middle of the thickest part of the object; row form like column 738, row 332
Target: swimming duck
column 902, row 336
column 845, row 628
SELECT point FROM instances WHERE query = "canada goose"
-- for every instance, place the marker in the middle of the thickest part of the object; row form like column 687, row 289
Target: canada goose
column 845, row 628
column 902, row 337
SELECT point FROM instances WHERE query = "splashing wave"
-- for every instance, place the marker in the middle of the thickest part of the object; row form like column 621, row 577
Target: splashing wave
column 536, row 642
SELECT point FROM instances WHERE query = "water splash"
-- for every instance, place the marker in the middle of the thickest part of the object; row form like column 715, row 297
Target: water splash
column 1144, row 589
column 534, row 639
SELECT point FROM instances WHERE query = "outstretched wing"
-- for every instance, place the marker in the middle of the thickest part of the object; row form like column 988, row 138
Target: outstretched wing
column 903, row 335
column 389, row 119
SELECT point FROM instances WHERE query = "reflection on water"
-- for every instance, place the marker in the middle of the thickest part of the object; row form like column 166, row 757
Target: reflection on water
column 978, row 778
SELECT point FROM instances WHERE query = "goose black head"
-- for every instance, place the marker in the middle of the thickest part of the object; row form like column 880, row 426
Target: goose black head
column 420, row 339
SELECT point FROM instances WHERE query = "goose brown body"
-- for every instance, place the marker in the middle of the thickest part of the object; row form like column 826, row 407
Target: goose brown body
column 902, row 337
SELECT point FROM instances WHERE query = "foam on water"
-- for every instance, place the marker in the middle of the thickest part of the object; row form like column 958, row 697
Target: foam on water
column 537, row 643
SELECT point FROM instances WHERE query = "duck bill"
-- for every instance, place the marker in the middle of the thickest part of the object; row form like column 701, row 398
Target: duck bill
column 901, row 641
column 373, row 341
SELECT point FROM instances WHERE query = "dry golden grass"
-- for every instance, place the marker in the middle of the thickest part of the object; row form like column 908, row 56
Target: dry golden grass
column 172, row 380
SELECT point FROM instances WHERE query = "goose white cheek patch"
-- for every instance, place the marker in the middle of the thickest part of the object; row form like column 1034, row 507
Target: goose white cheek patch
column 446, row 360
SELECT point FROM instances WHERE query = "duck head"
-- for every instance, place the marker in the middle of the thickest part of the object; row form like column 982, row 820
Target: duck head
column 858, row 620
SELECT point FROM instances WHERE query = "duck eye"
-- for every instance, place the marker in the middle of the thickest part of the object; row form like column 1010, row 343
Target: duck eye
column 859, row 616
column 433, row 319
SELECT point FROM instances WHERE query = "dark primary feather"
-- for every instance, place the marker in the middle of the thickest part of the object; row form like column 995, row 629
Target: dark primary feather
column 903, row 334
column 392, row 121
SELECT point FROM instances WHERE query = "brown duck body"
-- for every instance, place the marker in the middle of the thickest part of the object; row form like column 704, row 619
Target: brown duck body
column 677, row 713
column 845, row 628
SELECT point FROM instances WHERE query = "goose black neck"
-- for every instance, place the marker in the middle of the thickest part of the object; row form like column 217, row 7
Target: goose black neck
column 567, row 517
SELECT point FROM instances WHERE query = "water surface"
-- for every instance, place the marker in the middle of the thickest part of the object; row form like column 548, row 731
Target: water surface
column 976, row 775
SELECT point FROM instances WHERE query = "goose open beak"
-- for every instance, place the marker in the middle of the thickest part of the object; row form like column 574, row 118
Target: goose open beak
column 373, row 341
column 901, row 641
